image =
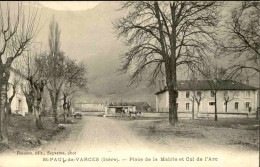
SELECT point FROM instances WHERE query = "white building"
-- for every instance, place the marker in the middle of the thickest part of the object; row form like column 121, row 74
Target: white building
column 242, row 98
column 18, row 105
column 90, row 106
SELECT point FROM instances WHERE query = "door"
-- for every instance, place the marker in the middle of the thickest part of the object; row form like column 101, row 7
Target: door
column 211, row 107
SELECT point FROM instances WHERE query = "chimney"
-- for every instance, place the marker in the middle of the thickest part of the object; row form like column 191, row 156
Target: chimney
column 163, row 84
column 159, row 85
column 247, row 81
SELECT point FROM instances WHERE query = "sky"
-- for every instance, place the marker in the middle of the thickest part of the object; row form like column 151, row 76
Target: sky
column 70, row 5
column 87, row 35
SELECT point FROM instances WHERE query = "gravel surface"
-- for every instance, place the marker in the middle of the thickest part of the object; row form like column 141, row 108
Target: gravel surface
column 117, row 142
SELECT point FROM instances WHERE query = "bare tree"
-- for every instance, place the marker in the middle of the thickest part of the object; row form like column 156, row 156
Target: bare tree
column 13, row 86
column 54, row 67
column 193, row 78
column 75, row 80
column 244, row 36
column 64, row 75
column 196, row 96
column 228, row 97
column 216, row 78
column 166, row 35
column 36, row 83
column 17, row 32
column 243, row 32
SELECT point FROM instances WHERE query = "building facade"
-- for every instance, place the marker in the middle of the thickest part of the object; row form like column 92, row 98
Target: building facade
column 18, row 105
column 231, row 96
column 90, row 106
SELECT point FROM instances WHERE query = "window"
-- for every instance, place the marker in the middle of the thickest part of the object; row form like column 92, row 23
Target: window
column 247, row 105
column 212, row 103
column 20, row 105
column 187, row 94
column 247, row 94
column 212, row 94
column 199, row 93
column 226, row 93
column 236, row 93
column 187, row 106
column 236, row 105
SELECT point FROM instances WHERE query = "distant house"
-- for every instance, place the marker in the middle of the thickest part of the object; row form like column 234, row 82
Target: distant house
column 142, row 106
column 127, row 107
column 90, row 106
column 18, row 105
column 242, row 97
column 118, row 108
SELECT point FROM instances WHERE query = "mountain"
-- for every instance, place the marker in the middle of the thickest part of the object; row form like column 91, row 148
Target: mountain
column 88, row 36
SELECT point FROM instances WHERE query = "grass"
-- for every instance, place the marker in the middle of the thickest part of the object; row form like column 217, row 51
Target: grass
column 23, row 133
column 237, row 123
column 236, row 133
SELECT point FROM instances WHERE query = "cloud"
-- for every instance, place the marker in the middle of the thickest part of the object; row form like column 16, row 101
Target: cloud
column 70, row 5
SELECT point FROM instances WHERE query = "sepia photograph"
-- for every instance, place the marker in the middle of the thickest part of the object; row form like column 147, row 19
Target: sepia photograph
column 129, row 83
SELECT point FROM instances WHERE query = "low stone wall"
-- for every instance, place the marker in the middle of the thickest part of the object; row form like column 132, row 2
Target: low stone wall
column 93, row 113
column 224, row 115
column 165, row 114
column 188, row 115
column 184, row 115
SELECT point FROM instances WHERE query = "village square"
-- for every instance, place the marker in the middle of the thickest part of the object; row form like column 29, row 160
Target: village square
column 129, row 83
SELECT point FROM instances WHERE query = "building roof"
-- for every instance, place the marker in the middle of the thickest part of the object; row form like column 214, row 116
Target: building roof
column 18, row 72
column 137, row 104
column 120, row 104
column 209, row 85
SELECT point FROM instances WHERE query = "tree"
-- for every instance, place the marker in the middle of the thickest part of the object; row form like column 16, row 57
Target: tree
column 215, row 77
column 227, row 97
column 164, row 36
column 243, row 34
column 17, row 32
column 13, row 86
column 75, row 80
column 54, row 67
column 36, row 83
column 196, row 96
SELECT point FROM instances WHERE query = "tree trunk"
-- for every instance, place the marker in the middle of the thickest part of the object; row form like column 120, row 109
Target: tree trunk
column 29, row 102
column 3, row 114
column 9, row 112
column 173, row 118
column 54, row 101
column 193, row 107
column 198, row 109
column 226, row 107
column 216, row 116
column 37, row 115
column 65, row 116
column 65, row 106
column 64, row 112
column 54, row 106
column 30, row 109
column 8, row 108
column 258, row 108
column 69, row 111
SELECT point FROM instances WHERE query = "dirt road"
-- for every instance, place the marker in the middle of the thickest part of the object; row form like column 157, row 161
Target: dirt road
column 101, row 134
column 99, row 141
